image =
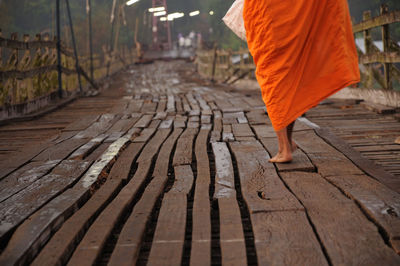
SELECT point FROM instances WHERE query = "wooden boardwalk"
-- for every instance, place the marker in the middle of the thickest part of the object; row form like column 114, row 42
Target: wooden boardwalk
column 170, row 172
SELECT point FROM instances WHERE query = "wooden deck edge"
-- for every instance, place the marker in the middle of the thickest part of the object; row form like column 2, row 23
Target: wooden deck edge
column 38, row 112
column 384, row 97
column 369, row 167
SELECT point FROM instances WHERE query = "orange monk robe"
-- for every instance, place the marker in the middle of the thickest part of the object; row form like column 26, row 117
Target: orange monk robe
column 304, row 52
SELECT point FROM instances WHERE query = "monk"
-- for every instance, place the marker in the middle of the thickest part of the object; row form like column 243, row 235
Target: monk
column 304, row 51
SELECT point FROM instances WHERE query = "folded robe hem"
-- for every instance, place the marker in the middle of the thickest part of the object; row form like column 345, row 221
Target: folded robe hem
column 311, row 105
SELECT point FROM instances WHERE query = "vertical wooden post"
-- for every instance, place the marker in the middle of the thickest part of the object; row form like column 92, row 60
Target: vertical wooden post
column 74, row 45
column 12, row 65
column 214, row 65
column 368, row 49
column 230, row 65
column 26, row 83
column 1, row 52
column 241, row 62
column 89, row 11
column 386, row 43
column 59, row 69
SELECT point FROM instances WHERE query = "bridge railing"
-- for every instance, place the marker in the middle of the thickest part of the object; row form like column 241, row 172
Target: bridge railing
column 222, row 65
column 28, row 71
column 380, row 64
column 378, row 67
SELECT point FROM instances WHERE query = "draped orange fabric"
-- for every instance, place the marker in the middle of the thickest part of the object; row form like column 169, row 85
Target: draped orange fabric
column 304, row 51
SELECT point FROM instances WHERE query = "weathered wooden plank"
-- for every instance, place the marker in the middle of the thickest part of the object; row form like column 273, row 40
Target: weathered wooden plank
column 262, row 188
column 366, row 165
column 145, row 135
column 144, row 121
column 17, row 208
column 149, row 107
column 215, row 136
column 160, row 116
column 185, row 103
column 194, row 119
column 84, row 150
column 217, row 121
column 331, row 164
column 184, row 148
column 264, row 131
column 178, row 104
column 134, row 106
column 224, row 175
column 183, row 179
column 254, row 101
column 82, row 123
column 169, row 237
column 99, row 169
column 171, row 104
column 192, row 101
column 122, row 167
column 229, row 118
column 202, row 102
column 120, row 107
column 242, row 130
column 167, row 123
column 92, row 244
column 162, row 105
column 310, row 142
column 351, row 227
column 123, row 125
column 62, row 243
column 194, row 113
column 285, row 238
column 380, row 203
column 180, row 121
column 103, row 124
column 205, row 119
column 60, row 151
column 154, row 123
column 227, row 137
column 245, row 139
column 257, row 117
column 201, row 218
column 24, row 177
column 37, row 229
column 300, row 160
column 232, row 242
column 9, row 165
column 127, row 248
column 152, row 147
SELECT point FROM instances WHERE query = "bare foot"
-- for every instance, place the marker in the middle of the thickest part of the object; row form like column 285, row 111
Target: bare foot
column 281, row 158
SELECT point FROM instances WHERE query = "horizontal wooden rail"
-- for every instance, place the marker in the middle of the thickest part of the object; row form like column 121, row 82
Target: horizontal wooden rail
column 33, row 72
column 384, row 57
column 20, row 45
column 381, row 20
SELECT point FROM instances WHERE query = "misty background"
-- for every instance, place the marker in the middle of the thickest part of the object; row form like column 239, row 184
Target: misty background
column 38, row 16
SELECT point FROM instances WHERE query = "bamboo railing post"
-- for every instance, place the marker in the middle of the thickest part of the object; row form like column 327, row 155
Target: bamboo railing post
column 214, row 64
column 386, row 43
column 1, row 52
column 230, row 65
column 74, row 45
column 368, row 48
column 12, row 64
column 241, row 64
column 25, row 85
column 59, row 67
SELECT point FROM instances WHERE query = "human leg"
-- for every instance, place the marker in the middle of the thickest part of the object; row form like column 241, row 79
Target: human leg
column 289, row 134
column 285, row 147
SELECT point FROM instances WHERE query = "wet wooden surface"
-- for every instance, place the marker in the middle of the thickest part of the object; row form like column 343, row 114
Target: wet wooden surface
column 160, row 170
